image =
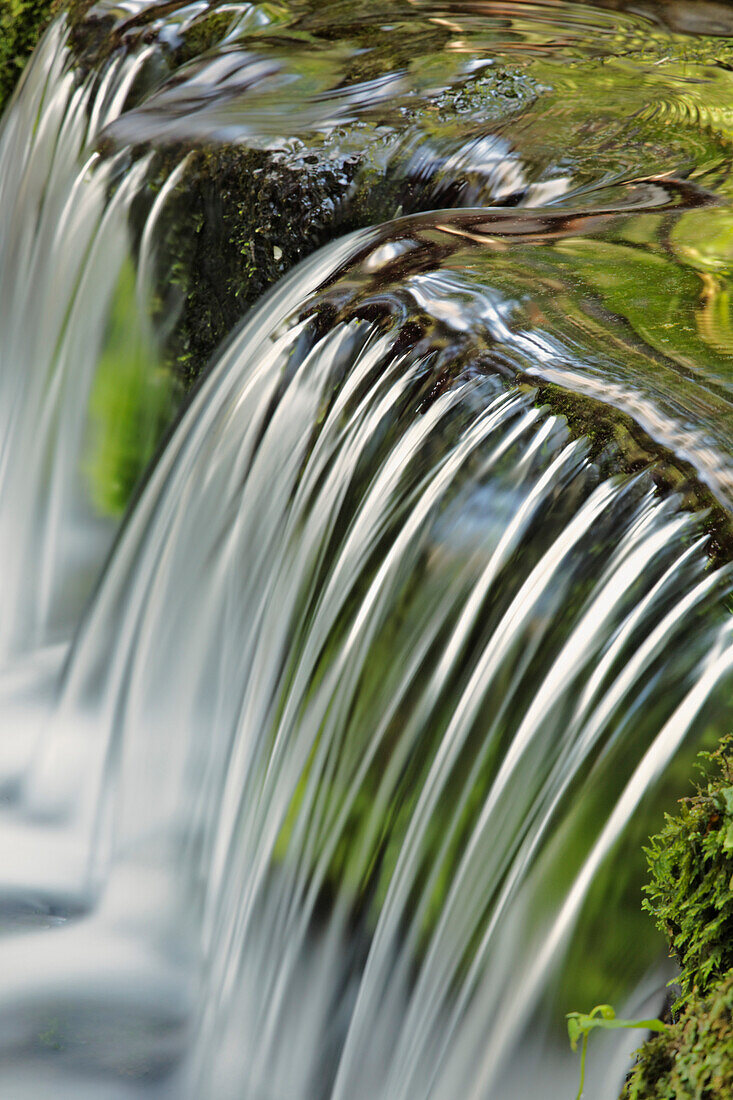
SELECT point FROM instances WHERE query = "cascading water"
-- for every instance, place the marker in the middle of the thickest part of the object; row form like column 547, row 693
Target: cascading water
column 323, row 769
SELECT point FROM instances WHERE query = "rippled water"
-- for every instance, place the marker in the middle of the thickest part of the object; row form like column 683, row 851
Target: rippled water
column 334, row 721
column 584, row 113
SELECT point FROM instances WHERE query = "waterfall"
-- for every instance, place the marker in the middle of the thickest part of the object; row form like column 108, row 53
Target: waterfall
column 63, row 247
column 318, row 763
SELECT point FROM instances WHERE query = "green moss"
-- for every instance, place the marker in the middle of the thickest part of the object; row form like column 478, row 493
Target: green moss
column 691, row 898
column 693, row 1060
column 691, row 865
column 21, row 24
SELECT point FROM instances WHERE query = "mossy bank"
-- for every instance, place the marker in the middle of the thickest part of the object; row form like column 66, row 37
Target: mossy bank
column 690, row 896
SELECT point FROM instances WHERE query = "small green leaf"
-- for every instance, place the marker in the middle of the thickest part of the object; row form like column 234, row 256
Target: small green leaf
column 728, row 841
column 604, row 1017
column 644, row 1025
column 574, row 1032
column 727, row 795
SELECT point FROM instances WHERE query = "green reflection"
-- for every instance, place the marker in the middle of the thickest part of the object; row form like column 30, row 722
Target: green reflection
column 131, row 403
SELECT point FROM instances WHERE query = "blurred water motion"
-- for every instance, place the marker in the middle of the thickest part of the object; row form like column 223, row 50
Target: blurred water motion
column 334, row 720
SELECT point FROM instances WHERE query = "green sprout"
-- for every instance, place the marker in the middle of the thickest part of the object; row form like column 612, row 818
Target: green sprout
column 580, row 1026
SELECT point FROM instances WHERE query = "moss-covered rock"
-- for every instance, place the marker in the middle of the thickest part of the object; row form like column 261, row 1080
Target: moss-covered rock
column 239, row 219
column 691, row 898
column 242, row 216
column 21, row 24
column 693, row 1060
column 691, row 865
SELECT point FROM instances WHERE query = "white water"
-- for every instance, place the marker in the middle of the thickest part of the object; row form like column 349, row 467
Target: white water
column 297, row 802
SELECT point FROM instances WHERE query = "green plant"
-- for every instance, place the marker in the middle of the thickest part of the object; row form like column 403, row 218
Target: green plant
column 581, row 1024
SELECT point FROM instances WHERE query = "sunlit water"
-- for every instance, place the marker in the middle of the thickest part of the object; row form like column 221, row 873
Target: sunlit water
column 326, row 767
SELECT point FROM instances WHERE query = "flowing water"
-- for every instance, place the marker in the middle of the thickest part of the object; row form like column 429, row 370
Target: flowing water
column 340, row 691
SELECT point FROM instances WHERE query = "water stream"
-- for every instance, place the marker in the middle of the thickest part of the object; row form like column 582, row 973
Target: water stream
column 340, row 690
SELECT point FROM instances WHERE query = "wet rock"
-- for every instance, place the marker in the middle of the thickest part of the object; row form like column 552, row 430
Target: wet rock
column 239, row 219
